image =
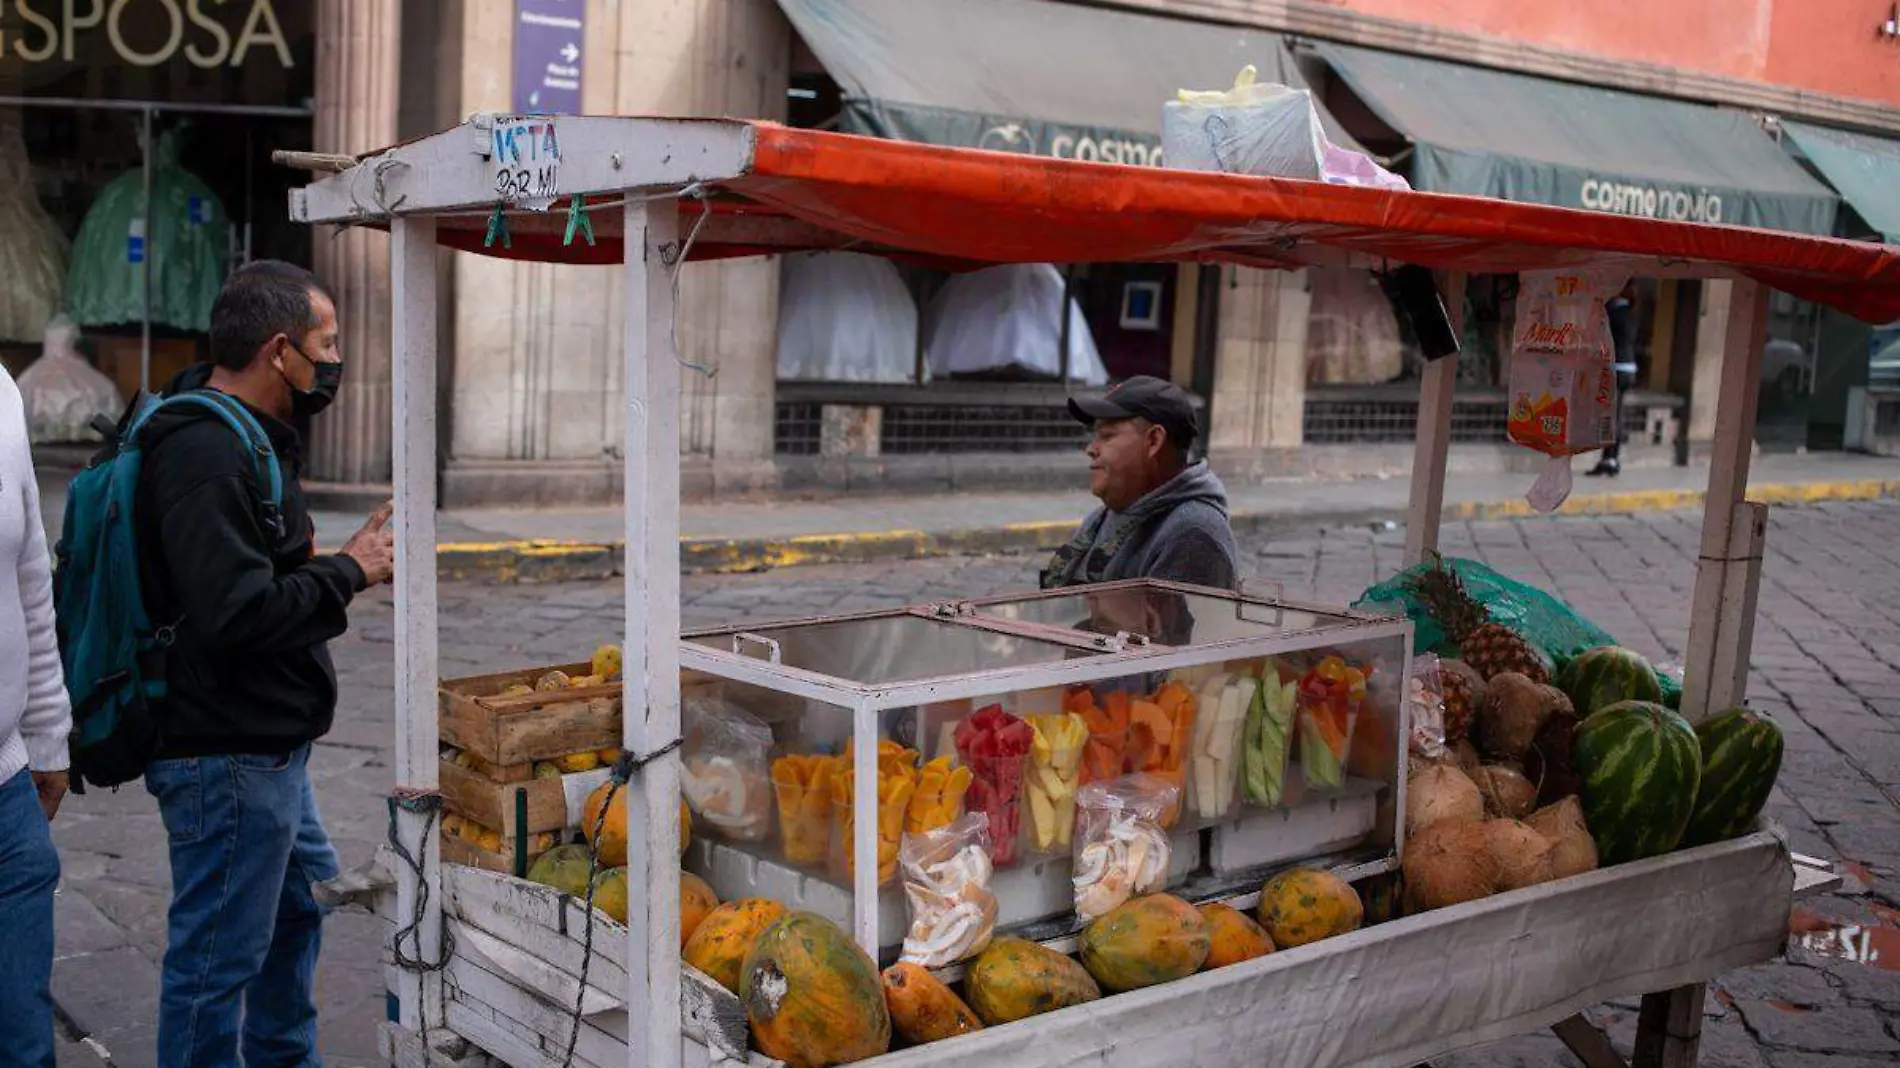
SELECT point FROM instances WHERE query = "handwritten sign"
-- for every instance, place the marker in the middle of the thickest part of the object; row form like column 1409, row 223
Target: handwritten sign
column 524, row 161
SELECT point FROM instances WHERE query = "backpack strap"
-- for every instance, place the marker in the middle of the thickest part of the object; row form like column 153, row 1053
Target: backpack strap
column 250, row 433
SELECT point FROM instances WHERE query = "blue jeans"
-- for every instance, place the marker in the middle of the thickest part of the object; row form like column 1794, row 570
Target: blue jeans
column 29, row 870
column 244, row 931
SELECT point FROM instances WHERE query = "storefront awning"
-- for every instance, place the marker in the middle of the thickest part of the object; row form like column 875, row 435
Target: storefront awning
column 1027, row 76
column 1864, row 170
column 1523, row 138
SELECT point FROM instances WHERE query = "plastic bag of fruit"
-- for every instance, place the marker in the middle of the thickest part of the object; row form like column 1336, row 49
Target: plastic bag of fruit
column 725, row 769
column 1425, row 706
column 947, row 888
column 1121, row 849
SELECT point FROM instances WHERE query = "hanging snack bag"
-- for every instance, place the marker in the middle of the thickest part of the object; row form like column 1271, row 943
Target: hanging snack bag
column 1120, row 849
column 725, row 769
column 1563, row 378
column 947, row 886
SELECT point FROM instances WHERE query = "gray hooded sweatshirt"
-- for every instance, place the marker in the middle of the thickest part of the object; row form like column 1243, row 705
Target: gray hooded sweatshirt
column 1178, row 531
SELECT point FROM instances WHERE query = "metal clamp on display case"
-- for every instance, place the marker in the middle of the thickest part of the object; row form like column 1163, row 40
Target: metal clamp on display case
column 740, row 640
column 1247, row 596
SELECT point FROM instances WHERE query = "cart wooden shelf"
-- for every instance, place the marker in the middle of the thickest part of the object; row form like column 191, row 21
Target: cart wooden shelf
column 659, row 192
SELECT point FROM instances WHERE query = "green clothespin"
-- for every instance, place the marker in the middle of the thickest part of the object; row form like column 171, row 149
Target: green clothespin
column 577, row 219
column 498, row 228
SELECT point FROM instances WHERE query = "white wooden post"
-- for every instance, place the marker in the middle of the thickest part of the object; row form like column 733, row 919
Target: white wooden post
column 1721, row 616
column 863, row 844
column 1728, row 572
column 651, row 704
column 1432, row 440
column 412, row 408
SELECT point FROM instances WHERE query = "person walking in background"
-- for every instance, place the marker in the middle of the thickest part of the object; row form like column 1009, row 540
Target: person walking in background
column 35, row 719
column 1622, row 312
column 250, row 681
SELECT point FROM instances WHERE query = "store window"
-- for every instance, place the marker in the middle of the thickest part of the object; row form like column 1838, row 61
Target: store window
column 201, row 93
column 1364, row 361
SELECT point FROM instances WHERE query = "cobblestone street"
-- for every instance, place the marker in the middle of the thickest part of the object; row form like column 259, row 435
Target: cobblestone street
column 1826, row 663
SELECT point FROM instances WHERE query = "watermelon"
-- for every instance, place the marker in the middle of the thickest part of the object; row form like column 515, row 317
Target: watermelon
column 1641, row 767
column 1607, row 674
column 1741, row 755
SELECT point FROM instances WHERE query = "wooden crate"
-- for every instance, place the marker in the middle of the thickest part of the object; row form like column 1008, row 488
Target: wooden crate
column 461, row 851
column 518, row 730
column 475, row 796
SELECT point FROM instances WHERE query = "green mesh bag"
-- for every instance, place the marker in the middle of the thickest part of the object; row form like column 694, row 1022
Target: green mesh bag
column 1544, row 621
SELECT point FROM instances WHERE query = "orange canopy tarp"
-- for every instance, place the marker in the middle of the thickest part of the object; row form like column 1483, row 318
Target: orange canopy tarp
column 963, row 207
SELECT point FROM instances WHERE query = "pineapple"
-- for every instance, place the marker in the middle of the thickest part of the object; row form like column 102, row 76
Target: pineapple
column 1490, row 648
column 1462, row 687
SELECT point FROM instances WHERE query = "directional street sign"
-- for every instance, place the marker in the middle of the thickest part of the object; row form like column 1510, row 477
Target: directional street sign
column 549, row 36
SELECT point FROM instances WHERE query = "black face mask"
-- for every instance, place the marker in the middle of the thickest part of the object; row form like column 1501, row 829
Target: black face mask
column 305, row 403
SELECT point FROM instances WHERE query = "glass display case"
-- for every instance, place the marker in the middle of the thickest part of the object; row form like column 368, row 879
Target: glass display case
column 1259, row 731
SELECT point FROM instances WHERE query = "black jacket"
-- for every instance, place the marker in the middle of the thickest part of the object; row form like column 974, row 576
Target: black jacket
column 249, row 671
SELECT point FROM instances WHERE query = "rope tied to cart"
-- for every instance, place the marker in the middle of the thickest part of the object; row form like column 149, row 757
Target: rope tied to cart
column 622, row 773
column 429, row 804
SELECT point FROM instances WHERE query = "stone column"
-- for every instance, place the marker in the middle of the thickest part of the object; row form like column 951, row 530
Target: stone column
column 1259, row 396
column 717, row 57
column 537, row 376
column 358, row 42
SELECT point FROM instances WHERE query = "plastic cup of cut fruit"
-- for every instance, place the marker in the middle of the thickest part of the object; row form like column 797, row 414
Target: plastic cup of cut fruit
column 1325, row 744
column 996, row 790
column 1049, row 798
column 803, row 833
column 843, row 821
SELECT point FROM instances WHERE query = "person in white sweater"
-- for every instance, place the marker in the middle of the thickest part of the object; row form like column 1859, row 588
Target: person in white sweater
column 35, row 718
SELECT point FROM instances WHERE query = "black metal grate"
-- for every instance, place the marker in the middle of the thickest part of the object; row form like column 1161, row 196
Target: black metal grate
column 913, row 429
column 1342, row 421
column 799, row 429
column 1346, row 422
column 1887, row 418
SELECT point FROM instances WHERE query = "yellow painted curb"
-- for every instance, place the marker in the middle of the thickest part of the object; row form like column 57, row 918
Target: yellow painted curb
column 727, row 555
column 1634, row 502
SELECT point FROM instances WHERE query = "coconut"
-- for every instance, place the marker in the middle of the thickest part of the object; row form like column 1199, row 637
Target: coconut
column 1573, row 850
column 1506, row 792
column 1521, row 854
column 1549, row 764
column 1465, row 755
column 1448, row 863
column 1439, row 793
column 1514, row 710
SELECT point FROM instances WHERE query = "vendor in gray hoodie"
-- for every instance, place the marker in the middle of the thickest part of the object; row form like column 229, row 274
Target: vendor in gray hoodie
column 1161, row 516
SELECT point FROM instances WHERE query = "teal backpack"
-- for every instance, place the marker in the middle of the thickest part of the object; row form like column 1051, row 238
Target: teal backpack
column 113, row 653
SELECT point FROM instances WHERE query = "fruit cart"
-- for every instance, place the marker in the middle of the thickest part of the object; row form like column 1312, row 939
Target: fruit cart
column 485, row 964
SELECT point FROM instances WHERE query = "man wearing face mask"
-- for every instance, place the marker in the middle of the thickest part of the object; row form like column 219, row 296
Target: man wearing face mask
column 250, row 684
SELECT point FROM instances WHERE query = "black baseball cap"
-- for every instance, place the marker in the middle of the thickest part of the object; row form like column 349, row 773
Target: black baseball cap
column 1162, row 403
